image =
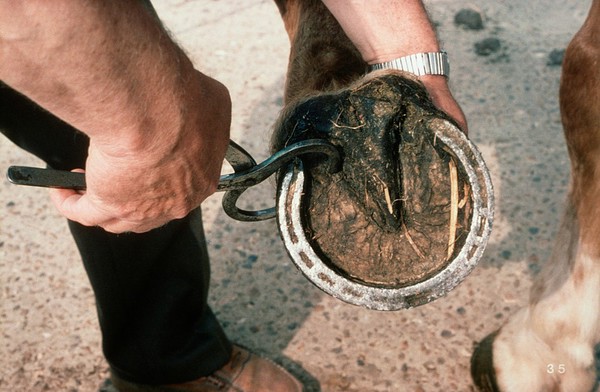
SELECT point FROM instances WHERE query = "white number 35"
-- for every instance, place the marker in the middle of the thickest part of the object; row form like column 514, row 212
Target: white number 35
column 552, row 368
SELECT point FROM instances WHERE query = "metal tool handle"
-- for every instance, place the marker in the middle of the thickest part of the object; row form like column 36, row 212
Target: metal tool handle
column 48, row 178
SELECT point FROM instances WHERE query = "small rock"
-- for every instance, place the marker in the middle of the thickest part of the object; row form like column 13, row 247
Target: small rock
column 249, row 262
column 487, row 46
column 555, row 58
column 469, row 19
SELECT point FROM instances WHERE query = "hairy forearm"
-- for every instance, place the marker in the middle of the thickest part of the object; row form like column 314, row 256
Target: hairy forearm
column 158, row 128
column 106, row 67
column 384, row 30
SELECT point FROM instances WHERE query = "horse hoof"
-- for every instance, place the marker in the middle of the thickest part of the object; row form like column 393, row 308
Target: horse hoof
column 482, row 365
column 407, row 216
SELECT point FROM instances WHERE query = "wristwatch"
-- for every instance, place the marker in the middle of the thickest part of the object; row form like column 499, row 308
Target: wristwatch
column 432, row 63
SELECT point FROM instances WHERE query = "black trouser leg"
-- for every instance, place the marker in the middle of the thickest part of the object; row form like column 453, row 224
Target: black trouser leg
column 151, row 292
column 151, row 289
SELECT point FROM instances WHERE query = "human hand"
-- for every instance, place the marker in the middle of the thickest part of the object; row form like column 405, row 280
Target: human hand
column 439, row 91
column 168, row 174
column 382, row 31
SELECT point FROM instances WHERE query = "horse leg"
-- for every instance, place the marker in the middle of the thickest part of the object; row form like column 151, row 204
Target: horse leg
column 549, row 345
column 322, row 58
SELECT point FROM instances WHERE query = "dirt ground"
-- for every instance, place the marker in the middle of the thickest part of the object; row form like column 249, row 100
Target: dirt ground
column 49, row 338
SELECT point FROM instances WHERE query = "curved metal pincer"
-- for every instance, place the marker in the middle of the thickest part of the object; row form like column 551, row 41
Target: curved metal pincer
column 248, row 174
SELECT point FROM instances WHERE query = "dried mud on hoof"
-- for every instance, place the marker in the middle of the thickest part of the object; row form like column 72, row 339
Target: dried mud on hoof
column 400, row 209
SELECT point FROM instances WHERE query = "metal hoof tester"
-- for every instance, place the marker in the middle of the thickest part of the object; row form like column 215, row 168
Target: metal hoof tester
column 296, row 234
column 382, row 202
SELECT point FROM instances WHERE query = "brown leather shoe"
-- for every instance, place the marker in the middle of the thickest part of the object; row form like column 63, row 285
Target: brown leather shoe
column 245, row 372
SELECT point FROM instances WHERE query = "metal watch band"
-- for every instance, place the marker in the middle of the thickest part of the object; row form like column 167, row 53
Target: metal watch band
column 433, row 63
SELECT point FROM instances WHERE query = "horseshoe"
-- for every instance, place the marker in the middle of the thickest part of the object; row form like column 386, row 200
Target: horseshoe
column 301, row 248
